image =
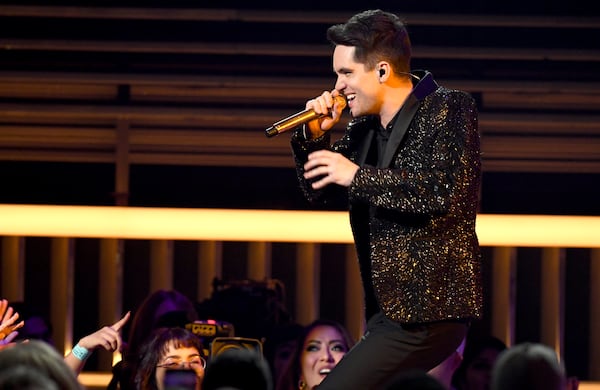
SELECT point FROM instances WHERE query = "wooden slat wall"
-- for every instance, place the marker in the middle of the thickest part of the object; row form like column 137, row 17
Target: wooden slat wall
column 534, row 118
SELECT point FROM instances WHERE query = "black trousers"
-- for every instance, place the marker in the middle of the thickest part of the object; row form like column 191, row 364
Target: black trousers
column 389, row 348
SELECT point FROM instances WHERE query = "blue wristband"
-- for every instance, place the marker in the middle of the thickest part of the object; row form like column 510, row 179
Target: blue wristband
column 80, row 352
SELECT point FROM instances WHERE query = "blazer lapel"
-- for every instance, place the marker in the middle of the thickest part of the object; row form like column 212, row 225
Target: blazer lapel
column 425, row 86
column 366, row 145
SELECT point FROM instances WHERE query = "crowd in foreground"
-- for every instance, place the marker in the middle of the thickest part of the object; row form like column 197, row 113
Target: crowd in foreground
column 169, row 356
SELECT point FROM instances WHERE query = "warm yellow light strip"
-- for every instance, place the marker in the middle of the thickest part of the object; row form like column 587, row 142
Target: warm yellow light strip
column 539, row 231
column 174, row 223
column 269, row 225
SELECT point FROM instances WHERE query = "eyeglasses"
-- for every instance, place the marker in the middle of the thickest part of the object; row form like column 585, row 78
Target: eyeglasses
column 193, row 363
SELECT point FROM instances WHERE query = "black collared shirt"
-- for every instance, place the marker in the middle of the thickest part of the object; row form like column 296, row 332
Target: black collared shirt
column 382, row 135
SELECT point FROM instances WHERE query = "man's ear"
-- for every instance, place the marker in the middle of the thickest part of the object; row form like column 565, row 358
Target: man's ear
column 383, row 69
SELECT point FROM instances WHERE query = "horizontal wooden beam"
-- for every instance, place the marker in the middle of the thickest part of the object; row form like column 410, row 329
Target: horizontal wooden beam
column 280, row 83
column 235, row 137
column 296, row 16
column 295, row 50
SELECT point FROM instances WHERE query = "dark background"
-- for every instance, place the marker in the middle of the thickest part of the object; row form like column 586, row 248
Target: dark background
column 267, row 188
column 510, row 192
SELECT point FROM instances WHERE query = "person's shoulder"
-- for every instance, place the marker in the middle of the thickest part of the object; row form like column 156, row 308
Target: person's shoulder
column 444, row 92
column 445, row 95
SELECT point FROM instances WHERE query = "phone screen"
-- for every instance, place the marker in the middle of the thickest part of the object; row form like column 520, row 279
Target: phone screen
column 180, row 380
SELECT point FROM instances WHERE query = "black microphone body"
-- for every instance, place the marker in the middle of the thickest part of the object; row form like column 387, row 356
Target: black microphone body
column 300, row 118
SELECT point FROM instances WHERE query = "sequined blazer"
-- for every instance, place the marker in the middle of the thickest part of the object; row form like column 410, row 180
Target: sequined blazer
column 413, row 221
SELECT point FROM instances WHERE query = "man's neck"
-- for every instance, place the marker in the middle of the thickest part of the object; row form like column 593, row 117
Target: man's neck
column 394, row 102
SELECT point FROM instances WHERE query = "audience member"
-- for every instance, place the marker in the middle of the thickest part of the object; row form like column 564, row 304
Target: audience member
column 41, row 357
column 254, row 308
column 25, row 378
column 162, row 308
column 475, row 371
column 414, row 380
column 242, row 369
column 279, row 347
column 321, row 346
column 9, row 323
column 528, row 366
column 37, row 325
column 168, row 349
column 108, row 337
column 444, row 371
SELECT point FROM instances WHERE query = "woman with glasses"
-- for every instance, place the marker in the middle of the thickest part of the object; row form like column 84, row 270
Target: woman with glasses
column 160, row 309
column 169, row 350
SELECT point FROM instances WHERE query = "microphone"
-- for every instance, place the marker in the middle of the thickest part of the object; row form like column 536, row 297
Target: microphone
column 300, row 118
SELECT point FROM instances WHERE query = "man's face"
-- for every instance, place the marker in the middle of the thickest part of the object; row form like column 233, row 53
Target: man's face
column 362, row 87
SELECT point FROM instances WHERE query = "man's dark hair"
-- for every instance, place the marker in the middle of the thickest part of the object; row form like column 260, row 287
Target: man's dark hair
column 376, row 35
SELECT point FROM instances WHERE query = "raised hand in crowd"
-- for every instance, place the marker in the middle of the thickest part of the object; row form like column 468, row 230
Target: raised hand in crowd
column 8, row 323
column 108, row 338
